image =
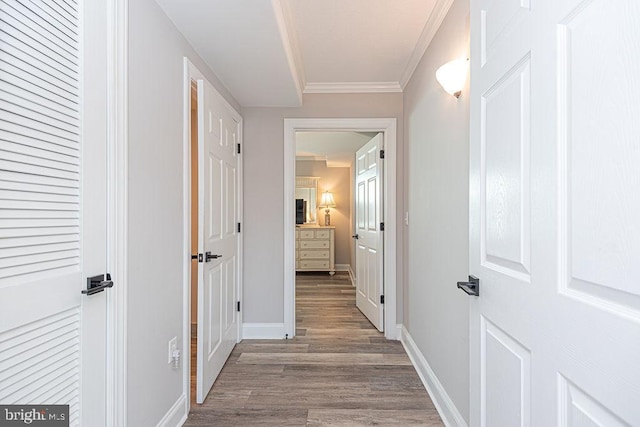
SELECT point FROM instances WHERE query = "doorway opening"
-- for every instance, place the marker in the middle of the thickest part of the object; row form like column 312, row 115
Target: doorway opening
column 385, row 220
column 327, row 209
column 194, row 238
column 212, row 212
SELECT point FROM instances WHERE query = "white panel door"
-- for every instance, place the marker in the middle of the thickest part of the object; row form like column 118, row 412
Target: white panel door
column 53, row 205
column 217, row 288
column 369, row 243
column 554, row 225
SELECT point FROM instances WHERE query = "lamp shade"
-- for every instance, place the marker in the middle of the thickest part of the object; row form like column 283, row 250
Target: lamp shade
column 327, row 200
column 453, row 75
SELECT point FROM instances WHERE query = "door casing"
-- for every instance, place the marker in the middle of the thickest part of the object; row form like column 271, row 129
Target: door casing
column 388, row 127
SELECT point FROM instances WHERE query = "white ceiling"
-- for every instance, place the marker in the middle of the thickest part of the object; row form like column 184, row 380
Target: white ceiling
column 337, row 148
column 267, row 53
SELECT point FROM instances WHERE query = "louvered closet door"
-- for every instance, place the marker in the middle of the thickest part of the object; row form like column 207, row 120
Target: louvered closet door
column 52, row 206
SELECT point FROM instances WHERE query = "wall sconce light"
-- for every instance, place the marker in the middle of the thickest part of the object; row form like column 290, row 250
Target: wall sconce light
column 453, row 75
column 327, row 202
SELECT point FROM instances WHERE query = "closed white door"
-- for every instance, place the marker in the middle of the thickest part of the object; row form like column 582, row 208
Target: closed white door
column 554, row 225
column 368, row 238
column 53, row 206
column 218, row 135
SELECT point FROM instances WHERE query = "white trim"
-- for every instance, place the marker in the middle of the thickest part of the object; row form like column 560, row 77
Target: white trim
column 312, row 158
column 352, row 87
column 240, row 258
column 443, row 403
column 265, row 331
column 388, row 127
column 117, row 223
column 399, row 328
column 177, row 415
column 284, row 21
column 428, row 32
column 347, row 268
column 190, row 72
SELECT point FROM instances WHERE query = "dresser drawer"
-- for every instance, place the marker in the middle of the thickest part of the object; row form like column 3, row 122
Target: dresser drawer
column 323, row 234
column 314, row 254
column 314, row 264
column 314, row 244
column 306, row 234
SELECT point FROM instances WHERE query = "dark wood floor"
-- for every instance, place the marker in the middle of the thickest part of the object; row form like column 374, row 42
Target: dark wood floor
column 338, row 371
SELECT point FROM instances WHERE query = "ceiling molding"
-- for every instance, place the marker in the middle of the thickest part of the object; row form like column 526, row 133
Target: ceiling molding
column 284, row 21
column 428, row 32
column 311, row 158
column 352, row 87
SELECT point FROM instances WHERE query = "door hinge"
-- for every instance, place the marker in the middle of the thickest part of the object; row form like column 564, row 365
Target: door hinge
column 381, row 299
column 239, row 150
column 239, row 227
column 238, row 306
column 382, row 226
column 382, row 154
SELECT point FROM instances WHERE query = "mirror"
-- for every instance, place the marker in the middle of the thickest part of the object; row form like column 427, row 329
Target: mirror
column 307, row 191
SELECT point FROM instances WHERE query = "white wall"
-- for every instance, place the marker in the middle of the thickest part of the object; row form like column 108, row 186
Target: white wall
column 263, row 191
column 156, row 261
column 437, row 239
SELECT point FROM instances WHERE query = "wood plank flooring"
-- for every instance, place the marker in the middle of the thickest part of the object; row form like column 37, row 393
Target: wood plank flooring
column 338, row 371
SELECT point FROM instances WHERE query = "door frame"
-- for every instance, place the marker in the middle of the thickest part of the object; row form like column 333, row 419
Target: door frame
column 117, row 239
column 388, row 126
column 191, row 72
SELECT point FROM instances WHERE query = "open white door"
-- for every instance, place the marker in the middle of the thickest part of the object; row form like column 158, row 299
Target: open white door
column 53, row 206
column 368, row 237
column 554, row 225
column 218, row 199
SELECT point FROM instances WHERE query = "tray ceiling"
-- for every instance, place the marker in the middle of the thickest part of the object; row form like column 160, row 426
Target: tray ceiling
column 267, row 53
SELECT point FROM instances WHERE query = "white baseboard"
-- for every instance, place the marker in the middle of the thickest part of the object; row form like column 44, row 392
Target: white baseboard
column 177, row 415
column 443, row 403
column 399, row 329
column 347, row 268
column 265, row 331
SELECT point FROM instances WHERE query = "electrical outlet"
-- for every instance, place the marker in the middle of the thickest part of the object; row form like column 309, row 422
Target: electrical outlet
column 173, row 346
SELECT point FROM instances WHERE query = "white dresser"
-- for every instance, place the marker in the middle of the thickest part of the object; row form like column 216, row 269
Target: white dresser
column 315, row 249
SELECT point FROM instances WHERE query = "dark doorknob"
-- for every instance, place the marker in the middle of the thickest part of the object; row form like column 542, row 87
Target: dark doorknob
column 355, row 236
column 208, row 256
column 472, row 287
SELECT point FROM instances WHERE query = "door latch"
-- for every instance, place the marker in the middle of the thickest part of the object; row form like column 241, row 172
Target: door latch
column 208, row 256
column 472, row 287
column 98, row 283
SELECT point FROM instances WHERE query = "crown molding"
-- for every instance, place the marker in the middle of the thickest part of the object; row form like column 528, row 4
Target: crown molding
column 286, row 28
column 312, row 158
column 352, row 87
column 428, row 32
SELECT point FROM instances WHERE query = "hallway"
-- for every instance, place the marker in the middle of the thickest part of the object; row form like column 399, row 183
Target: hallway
column 338, row 371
